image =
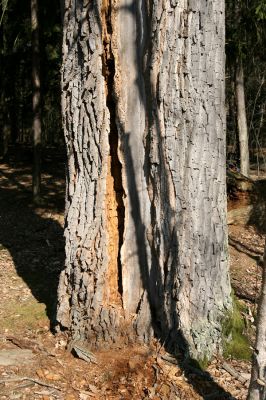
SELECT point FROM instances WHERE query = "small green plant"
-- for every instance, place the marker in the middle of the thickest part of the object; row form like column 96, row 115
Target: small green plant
column 201, row 364
column 235, row 343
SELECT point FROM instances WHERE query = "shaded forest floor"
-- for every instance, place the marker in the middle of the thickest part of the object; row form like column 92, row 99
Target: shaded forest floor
column 34, row 363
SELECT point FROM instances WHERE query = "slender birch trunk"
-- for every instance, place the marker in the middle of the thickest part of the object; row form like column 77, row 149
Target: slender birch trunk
column 242, row 119
column 144, row 122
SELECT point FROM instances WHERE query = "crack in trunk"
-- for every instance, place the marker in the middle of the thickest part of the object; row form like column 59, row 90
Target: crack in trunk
column 114, row 193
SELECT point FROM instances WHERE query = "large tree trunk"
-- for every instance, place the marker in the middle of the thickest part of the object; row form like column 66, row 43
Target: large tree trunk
column 257, row 388
column 144, row 121
column 242, row 119
column 36, row 102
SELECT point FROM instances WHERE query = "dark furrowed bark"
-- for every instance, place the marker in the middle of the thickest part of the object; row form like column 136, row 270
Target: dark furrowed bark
column 36, row 102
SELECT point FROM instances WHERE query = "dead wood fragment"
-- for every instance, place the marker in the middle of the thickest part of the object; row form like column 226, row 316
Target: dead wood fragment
column 170, row 359
column 27, row 344
column 22, row 343
column 83, row 353
column 234, row 373
column 26, row 378
column 24, row 385
column 244, row 295
column 242, row 248
column 157, row 371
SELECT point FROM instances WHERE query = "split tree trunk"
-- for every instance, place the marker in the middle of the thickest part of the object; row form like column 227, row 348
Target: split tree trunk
column 242, row 119
column 257, row 388
column 144, row 121
column 36, row 102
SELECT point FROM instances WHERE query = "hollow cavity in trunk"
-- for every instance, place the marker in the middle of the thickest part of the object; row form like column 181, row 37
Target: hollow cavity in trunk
column 114, row 194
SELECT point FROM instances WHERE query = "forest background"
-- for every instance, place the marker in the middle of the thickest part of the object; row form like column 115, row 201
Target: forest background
column 245, row 66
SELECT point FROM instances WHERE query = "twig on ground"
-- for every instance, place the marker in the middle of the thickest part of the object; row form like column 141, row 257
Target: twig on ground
column 157, row 373
column 24, row 385
column 26, row 378
column 169, row 359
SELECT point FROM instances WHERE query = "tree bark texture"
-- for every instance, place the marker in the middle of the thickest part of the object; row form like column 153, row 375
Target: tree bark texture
column 144, row 121
column 4, row 120
column 257, row 388
column 242, row 119
column 36, row 101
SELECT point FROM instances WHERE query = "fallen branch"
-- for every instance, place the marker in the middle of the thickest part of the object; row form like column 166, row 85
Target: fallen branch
column 26, row 378
column 256, row 255
column 170, row 359
column 23, row 386
column 27, row 344
column 157, row 373
column 243, row 296
column 234, row 373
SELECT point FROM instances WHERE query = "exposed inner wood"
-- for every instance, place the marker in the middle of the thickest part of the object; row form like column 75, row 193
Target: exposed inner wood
column 114, row 190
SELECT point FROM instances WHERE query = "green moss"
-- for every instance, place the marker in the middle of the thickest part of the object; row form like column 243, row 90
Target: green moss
column 235, row 343
column 204, row 363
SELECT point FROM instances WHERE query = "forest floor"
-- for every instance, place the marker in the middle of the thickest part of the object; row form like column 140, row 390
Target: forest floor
column 34, row 363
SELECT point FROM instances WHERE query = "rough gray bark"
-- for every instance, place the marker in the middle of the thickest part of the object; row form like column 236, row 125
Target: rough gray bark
column 144, row 121
column 257, row 388
column 36, row 102
column 242, row 119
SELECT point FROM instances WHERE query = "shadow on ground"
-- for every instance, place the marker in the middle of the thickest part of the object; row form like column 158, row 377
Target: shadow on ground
column 258, row 200
column 33, row 235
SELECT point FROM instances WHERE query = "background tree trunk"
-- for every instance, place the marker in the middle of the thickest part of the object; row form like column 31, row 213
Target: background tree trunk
column 4, row 117
column 36, row 101
column 242, row 119
column 144, row 122
column 257, row 388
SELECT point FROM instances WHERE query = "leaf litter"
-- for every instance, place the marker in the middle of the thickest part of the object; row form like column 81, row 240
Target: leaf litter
column 31, row 257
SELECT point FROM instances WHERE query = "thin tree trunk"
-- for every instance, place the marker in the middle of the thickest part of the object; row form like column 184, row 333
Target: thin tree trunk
column 242, row 119
column 144, row 122
column 4, row 119
column 36, row 101
column 257, row 388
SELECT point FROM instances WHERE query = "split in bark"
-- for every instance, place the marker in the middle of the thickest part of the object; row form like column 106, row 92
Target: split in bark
column 114, row 188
